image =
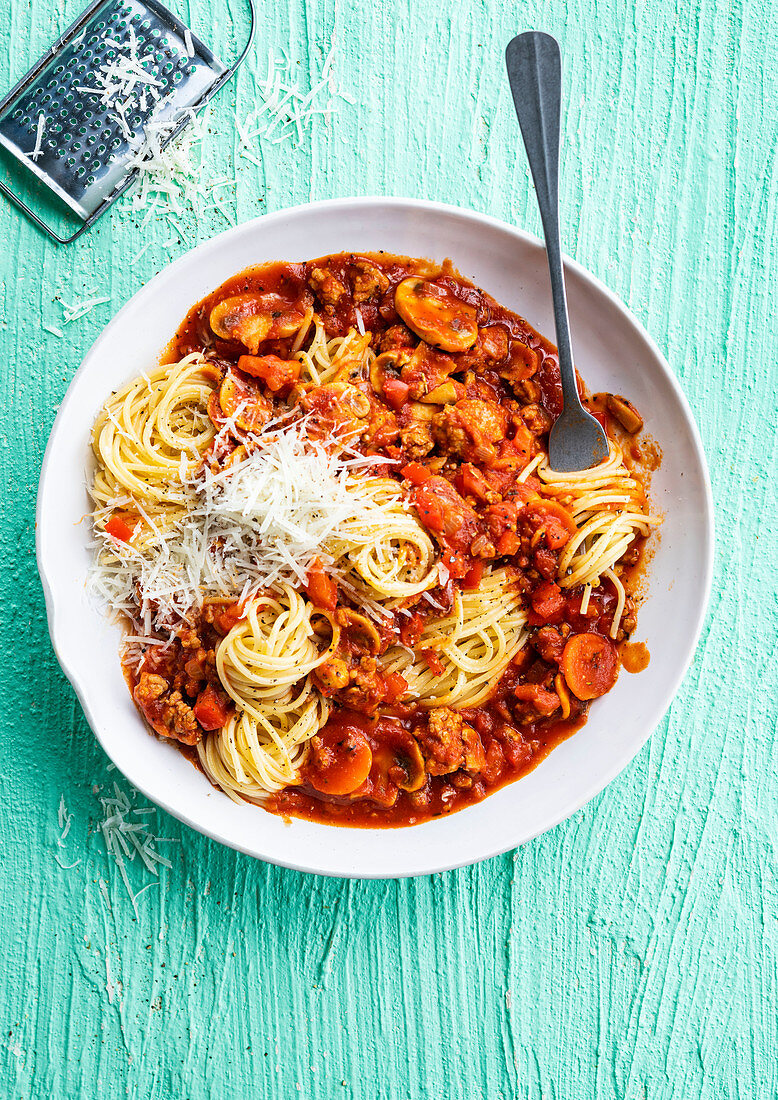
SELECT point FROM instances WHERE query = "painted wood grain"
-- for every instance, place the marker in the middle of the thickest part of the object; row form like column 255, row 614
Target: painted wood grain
column 631, row 952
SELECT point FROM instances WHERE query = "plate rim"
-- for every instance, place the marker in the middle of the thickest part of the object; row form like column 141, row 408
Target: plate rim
column 324, row 205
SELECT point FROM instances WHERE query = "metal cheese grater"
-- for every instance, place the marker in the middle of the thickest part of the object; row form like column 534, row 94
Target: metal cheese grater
column 88, row 143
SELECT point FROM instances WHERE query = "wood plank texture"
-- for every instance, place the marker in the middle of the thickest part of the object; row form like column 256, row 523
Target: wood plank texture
column 631, row 952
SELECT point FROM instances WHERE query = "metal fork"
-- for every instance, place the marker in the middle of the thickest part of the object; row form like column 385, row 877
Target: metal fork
column 577, row 440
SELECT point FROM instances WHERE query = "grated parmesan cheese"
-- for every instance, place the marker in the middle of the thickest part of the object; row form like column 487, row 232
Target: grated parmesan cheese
column 123, row 84
column 76, row 310
column 126, row 837
column 252, row 526
column 38, row 150
column 286, row 109
column 170, row 177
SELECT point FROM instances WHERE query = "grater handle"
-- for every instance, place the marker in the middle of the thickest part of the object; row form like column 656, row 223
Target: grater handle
column 21, row 205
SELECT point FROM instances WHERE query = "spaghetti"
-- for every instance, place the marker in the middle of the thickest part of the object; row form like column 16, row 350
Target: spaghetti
column 471, row 646
column 356, row 587
column 608, row 505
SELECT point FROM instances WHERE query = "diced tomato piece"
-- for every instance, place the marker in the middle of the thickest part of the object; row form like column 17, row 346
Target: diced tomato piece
column 411, row 628
column 474, row 575
column 396, row 392
column 210, row 710
column 545, row 562
column 122, row 525
column 430, row 508
column 501, row 517
column 434, row 662
column 548, row 602
column 396, row 686
column 457, row 564
column 443, row 511
column 471, row 480
column 275, row 372
column 225, row 618
column 507, row 544
column 416, row 473
column 322, row 589
column 537, row 699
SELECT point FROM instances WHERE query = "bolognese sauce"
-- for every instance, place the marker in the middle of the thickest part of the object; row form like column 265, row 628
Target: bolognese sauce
column 453, row 397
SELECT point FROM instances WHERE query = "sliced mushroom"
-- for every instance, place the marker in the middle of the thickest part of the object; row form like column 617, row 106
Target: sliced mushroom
column 336, row 407
column 351, row 358
column 360, row 633
column 434, row 314
column 332, row 675
column 411, row 761
column 397, row 759
column 241, row 399
column 250, row 319
column 625, row 412
column 388, row 365
column 445, row 394
column 420, row 411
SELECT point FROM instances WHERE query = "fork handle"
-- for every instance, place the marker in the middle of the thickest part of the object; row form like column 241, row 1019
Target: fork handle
column 535, row 75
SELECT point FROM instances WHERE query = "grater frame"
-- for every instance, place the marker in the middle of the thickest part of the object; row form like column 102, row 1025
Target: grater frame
column 28, row 80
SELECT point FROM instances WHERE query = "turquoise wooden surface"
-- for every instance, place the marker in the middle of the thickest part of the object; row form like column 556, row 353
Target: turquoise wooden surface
column 630, row 953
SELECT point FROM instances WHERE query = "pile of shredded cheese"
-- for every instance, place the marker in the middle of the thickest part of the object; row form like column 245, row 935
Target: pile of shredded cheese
column 287, row 109
column 171, row 180
column 252, row 526
column 126, row 837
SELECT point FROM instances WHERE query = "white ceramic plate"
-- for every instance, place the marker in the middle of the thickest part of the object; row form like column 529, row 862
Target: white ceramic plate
column 613, row 353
